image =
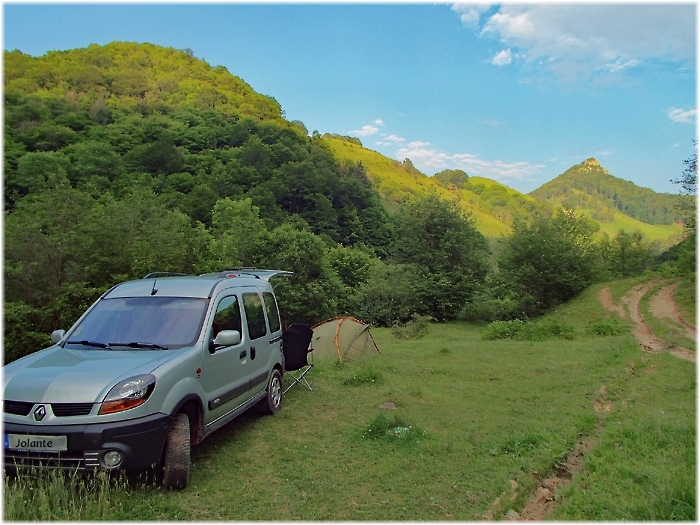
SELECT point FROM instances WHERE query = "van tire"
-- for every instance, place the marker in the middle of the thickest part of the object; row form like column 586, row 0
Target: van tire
column 176, row 461
column 273, row 400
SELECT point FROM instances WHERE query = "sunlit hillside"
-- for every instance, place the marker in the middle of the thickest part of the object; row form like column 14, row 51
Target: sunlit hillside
column 493, row 205
column 616, row 204
column 587, row 187
column 666, row 234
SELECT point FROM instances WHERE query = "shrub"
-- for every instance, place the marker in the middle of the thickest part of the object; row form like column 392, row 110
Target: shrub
column 528, row 331
column 543, row 330
column 414, row 329
column 502, row 330
column 604, row 327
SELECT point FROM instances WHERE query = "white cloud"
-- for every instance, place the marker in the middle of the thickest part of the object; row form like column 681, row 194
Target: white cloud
column 503, row 58
column 390, row 140
column 365, row 131
column 511, row 23
column 470, row 15
column 579, row 40
column 621, row 64
column 429, row 160
column 685, row 116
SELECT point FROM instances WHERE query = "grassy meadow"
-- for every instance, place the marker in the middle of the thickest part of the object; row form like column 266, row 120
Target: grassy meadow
column 666, row 234
column 448, row 426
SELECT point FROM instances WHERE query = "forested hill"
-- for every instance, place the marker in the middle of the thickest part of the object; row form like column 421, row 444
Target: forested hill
column 114, row 118
column 129, row 76
column 590, row 187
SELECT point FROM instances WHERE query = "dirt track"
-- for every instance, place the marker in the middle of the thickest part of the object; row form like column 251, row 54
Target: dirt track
column 663, row 307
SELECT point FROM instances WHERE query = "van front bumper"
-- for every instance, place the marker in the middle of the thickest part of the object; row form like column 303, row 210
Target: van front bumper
column 138, row 441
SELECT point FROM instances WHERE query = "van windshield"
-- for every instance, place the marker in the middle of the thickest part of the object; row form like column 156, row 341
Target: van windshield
column 167, row 322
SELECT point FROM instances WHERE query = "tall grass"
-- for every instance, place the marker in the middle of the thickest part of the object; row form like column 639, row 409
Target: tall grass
column 437, row 428
column 62, row 496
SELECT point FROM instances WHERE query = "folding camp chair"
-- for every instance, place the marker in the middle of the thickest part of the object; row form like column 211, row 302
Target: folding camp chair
column 295, row 345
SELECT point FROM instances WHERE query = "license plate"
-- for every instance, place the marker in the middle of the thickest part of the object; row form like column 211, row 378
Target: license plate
column 36, row 443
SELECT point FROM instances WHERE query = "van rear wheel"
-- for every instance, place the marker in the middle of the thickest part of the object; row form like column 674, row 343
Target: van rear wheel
column 273, row 400
column 176, row 460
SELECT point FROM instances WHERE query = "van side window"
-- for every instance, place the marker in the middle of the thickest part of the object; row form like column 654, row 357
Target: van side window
column 254, row 315
column 227, row 316
column 273, row 315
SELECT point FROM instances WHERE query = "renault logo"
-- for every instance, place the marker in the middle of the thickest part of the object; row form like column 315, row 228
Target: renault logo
column 40, row 412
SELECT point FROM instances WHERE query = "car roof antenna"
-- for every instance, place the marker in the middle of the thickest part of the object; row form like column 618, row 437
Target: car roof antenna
column 154, row 290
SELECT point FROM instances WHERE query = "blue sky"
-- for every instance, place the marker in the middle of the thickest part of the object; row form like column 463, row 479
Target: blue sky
column 513, row 92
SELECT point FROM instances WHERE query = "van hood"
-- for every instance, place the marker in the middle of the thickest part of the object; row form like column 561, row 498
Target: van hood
column 59, row 375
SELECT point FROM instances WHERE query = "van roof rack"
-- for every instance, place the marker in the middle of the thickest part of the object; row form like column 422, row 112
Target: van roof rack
column 153, row 275
column 257, row 273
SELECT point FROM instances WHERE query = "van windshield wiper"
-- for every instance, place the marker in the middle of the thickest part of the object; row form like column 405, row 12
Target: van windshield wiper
column 86, row 342
column 136, row 344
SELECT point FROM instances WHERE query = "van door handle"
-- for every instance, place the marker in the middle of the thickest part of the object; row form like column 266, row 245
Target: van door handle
column 243, row 354
column 252, row 352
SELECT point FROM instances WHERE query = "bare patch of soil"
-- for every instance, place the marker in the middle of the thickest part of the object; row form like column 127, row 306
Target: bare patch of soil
column 544, row 499
column 663, row 306
column 606, row 299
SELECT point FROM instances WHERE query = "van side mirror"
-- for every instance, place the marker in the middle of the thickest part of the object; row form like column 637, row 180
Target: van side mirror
column 225, row 338
column 57, row 336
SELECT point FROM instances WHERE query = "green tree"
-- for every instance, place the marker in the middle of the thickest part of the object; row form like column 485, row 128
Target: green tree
column 62, row 249
column 352, row 265
column 44, row 253
column 389, row 295
column 627, row 254
column 235, row 226
column 450, row 253
column 311, row 295
column 94, row 158
column 549, row 260
column 37, row 172
column 687, row 207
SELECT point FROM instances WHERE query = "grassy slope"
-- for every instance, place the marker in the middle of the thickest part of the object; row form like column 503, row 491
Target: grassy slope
column 487, row 419
column 396, row 184
column 666, row 234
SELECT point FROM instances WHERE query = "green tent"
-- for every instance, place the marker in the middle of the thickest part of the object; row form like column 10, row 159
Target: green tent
column 345, row 338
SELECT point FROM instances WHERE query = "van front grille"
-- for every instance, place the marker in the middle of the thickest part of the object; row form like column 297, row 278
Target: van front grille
column 18, row 408
column 71, row 409
column 23, row 408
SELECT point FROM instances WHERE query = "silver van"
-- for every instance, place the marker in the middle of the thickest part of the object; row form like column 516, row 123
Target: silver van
column 153, row 366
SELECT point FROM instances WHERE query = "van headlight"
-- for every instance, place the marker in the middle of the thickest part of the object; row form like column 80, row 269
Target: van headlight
column 128, row 394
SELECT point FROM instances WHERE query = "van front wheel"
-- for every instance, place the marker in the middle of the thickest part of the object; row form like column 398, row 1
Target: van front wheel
column 176, row 461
